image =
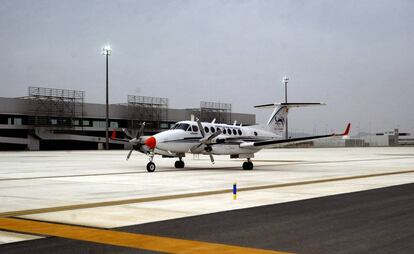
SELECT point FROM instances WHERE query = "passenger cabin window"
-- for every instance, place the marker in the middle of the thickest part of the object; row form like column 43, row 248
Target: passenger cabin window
column 224, row 131
column 212, row 129
column 206, row 129
column 240, row 132
column 229, row 131
column 255, row 133
column 195, row 128
column 234, row 132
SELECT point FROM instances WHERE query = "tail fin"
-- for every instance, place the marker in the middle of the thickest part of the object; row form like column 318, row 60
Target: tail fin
column 277, row 121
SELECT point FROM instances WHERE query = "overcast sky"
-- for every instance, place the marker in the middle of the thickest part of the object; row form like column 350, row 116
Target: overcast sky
column 357, row 56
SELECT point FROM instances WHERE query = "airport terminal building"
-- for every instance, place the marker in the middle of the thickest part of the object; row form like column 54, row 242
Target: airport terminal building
column 53, row 119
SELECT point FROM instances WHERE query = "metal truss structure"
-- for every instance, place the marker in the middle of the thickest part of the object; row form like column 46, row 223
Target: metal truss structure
column 55, row 107
column 152, row 110
column 214, row 110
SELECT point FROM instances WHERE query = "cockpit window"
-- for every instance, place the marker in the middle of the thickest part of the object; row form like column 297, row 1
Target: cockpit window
column 181, row 126
column 195, row 128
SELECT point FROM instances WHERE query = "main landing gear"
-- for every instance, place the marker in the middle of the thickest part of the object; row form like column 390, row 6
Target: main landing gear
column 179, row 163
column 248, row 165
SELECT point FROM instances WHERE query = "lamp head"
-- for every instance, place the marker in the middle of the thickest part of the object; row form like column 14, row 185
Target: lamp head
column 107, row 50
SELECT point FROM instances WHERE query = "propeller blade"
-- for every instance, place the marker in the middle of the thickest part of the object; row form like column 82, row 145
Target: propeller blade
column 134, row 141
column 129, row 154
column 200, row 127
column 195, row 147
column 214, row 135
column 205, row 141
column 141, row 130
column 128, row 133
column 211, row 158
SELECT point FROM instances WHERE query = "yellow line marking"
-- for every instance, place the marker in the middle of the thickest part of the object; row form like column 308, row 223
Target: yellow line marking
column 190, row 195
column 125, row 239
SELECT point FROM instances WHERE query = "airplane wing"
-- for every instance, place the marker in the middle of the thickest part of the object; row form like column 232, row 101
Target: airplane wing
column 113, row 137
column 273, row 143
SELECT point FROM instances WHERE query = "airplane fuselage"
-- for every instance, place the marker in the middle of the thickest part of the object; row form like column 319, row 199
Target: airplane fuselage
column 184, row 137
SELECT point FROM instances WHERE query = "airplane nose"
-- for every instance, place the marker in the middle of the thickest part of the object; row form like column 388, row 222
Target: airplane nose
column 151, row 142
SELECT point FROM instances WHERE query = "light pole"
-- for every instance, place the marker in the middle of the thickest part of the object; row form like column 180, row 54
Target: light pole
column 285, row 81
column 107, row 51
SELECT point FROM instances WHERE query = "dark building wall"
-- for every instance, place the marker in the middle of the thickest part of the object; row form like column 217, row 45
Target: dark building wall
column 17, row 131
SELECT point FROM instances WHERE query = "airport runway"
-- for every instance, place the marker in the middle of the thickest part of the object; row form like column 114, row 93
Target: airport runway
column 374, row 221
column 100, row 190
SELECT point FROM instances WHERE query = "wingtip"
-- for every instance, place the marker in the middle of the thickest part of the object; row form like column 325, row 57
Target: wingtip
column 113, row 135
column 347, row 130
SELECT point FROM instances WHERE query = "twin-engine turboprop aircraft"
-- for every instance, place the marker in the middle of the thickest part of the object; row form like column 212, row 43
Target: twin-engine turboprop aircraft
column 219, row 139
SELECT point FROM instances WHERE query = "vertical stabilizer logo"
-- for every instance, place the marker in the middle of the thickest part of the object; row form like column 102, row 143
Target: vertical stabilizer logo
column 279, row 119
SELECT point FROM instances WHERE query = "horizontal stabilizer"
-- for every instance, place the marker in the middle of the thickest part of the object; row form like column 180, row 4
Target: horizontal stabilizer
column 290, row 104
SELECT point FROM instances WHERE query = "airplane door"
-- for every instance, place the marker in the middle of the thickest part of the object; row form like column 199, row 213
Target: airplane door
column 194, row 130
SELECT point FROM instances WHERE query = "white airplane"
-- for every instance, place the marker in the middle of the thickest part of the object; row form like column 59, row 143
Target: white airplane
column 210, row 138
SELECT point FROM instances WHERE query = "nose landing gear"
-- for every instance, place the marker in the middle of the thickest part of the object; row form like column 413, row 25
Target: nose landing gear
column 248, row 165
column 151, row 165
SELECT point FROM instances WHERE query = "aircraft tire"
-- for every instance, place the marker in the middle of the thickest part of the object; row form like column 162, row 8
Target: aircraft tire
column 151, row 166
column 247, row 165
column 179, row 164
column 250, row 165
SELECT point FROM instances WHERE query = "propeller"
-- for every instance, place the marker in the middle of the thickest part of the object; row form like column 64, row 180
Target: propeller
column 136, row 140
column 207, row 141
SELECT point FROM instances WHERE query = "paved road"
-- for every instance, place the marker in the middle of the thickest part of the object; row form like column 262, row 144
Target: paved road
column 374, row 221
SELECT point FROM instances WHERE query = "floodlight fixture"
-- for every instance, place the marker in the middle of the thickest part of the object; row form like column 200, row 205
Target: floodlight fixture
column 107, row 50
